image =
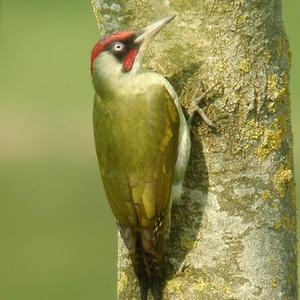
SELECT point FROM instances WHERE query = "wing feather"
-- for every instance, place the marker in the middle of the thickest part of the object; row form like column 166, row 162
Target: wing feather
column 137, row 147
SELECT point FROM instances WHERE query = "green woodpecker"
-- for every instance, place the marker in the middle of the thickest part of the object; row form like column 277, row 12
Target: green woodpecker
column 143, row 146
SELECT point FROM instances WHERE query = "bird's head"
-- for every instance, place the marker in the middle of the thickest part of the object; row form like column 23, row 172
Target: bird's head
column 123, row 52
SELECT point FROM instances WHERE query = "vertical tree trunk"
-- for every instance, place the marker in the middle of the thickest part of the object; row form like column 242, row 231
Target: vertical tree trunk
column 234, row 231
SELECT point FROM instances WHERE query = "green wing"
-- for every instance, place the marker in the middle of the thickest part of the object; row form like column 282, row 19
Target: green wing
column 137, row 140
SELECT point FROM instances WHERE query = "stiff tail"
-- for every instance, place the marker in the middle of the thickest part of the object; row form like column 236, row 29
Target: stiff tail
column 148, row 270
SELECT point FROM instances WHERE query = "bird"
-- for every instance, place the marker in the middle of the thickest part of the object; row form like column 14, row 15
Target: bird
column 143, row 145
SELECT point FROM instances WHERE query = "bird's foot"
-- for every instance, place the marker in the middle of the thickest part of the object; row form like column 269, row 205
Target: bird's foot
column 195, row 106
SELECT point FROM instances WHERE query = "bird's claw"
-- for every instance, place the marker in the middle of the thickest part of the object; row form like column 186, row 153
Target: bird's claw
column 195, row 107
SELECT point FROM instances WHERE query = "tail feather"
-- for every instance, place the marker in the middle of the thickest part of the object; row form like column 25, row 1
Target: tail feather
column 148, row 270
column 157, row 288
column 156, row 278
column 143, row 282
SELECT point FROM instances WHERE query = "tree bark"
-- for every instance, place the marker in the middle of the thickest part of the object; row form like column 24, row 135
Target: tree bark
column 233, row 233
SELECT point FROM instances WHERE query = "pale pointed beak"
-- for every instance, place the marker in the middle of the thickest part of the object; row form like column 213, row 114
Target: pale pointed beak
column 152, row 29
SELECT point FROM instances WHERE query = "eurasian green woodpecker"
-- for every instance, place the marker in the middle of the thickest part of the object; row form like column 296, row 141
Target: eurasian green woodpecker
column 143, row 146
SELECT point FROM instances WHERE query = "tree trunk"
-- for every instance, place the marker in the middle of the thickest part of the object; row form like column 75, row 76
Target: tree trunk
column 234, row 231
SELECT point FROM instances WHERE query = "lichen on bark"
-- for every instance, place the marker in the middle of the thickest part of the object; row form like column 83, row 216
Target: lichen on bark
column 234, row 231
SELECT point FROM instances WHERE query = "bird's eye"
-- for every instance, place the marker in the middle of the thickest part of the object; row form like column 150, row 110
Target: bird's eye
column 118, row 47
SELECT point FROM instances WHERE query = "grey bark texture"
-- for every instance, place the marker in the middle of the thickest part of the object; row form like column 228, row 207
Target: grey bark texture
column 234, row 231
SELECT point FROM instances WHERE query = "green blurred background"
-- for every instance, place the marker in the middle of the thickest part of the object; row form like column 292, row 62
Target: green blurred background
column 57, row 236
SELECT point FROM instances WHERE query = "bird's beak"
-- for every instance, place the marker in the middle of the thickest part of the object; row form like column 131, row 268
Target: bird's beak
column 151, row 30
column 144, row 36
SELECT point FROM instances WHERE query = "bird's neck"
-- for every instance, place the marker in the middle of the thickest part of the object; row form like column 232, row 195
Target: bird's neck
column 109, row 77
